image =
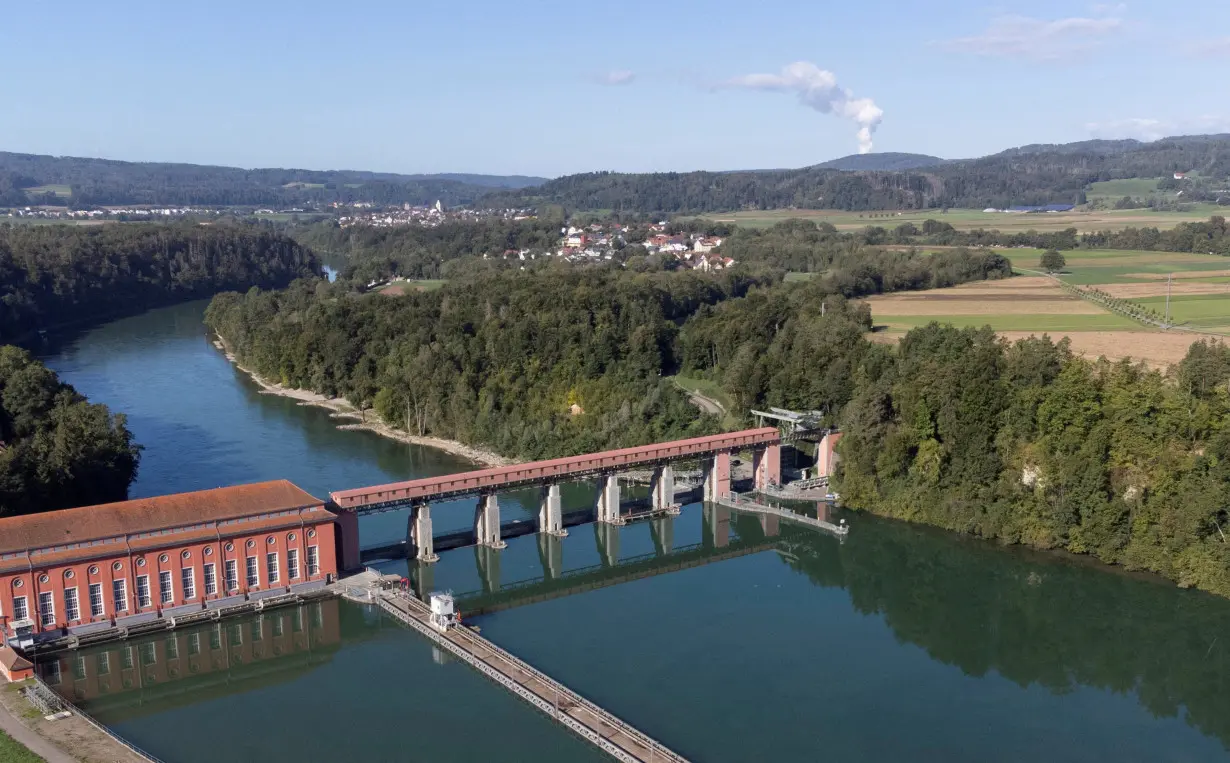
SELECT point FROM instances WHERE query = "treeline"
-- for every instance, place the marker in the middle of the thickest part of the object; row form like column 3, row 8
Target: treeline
column 804, row 246
column 97, row 182
column 1032, row 175
column 416, row 251
column 57, row 274
column 1027, row 443
column 56, row 449
column 560, row 361
column 1208, row 237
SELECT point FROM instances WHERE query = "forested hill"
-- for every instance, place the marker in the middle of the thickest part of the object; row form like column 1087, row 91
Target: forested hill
column 57, row 274
column 56, row 449
column 28, row 178
column 880, row 161
column 1031, row 175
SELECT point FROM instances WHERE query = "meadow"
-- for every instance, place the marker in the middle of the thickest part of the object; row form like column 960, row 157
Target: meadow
column 63, row 191
column 1113, row 190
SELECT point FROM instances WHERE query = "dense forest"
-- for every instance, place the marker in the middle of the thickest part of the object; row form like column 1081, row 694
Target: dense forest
column 552, row 361
column 96, row 182
column 52, row 275
column 414, row 251
column 56, row 449
column 1030, row 444
column 1028, row 175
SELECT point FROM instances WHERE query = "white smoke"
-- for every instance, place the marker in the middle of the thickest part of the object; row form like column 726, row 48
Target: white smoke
column 818, row 89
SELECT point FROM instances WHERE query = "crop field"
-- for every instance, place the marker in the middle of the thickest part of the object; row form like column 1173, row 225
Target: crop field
column 63, row 191
column 969, row 219
column 1030, row 305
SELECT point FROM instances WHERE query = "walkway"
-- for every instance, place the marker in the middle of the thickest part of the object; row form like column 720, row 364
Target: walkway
column 22, row 734
column 745, row 503
column 608, row 733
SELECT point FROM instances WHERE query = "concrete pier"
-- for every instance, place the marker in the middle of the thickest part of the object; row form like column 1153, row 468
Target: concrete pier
column 717, row 476
column 550, row 513
column 419, row 534
column 662, row 486
column 767, row 467
column 487, row 522
column 594, row 724
column 608, row 500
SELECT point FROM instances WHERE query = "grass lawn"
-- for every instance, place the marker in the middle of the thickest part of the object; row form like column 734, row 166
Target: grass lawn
column 795, row 276
column 1097, row 322
column 710, row 389
column 13, row 752
column 1101, row 266
column 298, row 184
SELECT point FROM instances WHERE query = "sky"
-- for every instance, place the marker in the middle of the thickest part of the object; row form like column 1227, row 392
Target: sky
column 552, row 88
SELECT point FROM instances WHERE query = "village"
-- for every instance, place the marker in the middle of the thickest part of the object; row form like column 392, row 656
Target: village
column 354, row 213
column 599, row 242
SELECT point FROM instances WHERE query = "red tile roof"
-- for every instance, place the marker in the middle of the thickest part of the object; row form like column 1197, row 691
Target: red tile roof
column 109, row 520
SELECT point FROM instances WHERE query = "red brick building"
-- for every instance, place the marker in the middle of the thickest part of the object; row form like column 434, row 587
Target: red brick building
column 81, row 570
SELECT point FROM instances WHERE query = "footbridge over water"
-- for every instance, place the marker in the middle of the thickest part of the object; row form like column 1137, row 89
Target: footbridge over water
column 713, row 454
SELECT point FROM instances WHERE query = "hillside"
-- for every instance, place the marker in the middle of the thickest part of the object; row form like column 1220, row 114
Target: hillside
column 881, row 161
column 35, row 179
column 1030, row 175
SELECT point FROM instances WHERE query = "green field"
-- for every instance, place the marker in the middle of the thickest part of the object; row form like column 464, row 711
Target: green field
column 286, row 217
column 1099, row 266
column 63, row 191
column 1204, row 311
column 970, row 219
column 1117, row 189
column 1104, row 322
column 307, row 186
column 795, row 276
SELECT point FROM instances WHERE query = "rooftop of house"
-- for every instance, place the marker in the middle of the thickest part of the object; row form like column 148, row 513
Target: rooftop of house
column 109, row 520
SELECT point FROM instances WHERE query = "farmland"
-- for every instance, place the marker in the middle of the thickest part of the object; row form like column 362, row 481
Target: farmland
column 1034, row 304
column 63, row 191
column 969, row 219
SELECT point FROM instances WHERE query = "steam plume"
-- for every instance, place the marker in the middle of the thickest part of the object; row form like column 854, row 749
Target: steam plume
column 818, row 89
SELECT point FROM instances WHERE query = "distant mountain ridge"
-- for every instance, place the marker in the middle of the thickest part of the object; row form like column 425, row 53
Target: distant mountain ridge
column 84, row 181
column 888, row 160
column 1034, row 175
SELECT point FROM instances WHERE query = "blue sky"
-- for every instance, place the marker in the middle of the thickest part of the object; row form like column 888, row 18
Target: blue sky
column 549, row 88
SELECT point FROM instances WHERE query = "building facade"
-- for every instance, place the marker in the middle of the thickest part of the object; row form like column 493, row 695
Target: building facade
column 81, row 570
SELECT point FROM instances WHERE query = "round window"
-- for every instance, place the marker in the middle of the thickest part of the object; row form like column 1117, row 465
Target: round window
column 68, row 574
column 251, row 544
column 291, row 536
column 93, row 570
column 186, row 555
column 311, row 533
column 43, row 578
column 141, row 561
column 270, row 540
column 209, row 551
column 117, row 566
column 163, row 558
column 18, row 583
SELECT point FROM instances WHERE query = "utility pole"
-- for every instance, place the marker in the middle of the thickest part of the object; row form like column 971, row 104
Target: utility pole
column 1169, row 279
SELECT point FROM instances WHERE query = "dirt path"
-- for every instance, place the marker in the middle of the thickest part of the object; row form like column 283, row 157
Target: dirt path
column 707, row 404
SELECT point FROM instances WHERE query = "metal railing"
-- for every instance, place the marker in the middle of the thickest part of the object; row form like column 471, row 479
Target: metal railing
column 739, row 503
column 68, row 705
column 463, row 644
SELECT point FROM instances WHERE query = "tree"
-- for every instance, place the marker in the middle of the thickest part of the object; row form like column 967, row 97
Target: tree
column 1052, row 261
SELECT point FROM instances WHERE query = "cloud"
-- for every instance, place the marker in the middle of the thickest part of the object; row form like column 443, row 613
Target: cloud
column 616, row 77
column 817, row 89
column 1041, row 39
column 1155, row 129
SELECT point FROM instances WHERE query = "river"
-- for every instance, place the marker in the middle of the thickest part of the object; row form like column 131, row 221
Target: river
column 902, row 643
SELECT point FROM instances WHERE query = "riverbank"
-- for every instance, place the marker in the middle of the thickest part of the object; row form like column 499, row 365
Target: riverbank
column 341, row 409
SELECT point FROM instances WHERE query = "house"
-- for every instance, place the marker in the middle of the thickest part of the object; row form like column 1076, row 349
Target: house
column 1180, row 176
